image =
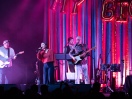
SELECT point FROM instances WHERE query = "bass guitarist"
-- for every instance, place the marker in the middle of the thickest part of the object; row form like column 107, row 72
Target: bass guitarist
column 6, row 55
column 81, row 67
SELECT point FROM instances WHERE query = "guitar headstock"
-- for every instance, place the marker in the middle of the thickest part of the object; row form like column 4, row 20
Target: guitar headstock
column 21, row 52
column 94, row 47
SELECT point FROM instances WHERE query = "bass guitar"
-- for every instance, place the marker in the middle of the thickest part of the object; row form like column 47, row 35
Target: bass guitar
column 5, row 63
column 80, row 57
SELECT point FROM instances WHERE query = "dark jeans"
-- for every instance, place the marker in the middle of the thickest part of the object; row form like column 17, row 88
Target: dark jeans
column 72, row 68
column 48, row 73
column 5, row 75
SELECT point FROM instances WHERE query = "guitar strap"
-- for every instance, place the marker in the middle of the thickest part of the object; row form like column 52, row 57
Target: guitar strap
column 8, row 52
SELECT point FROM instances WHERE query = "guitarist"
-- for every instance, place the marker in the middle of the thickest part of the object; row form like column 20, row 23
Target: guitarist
column 81, row 69
column 6, row 55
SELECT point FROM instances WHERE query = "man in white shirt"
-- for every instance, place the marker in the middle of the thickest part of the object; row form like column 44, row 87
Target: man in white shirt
column 6, row 55
column 81, row 68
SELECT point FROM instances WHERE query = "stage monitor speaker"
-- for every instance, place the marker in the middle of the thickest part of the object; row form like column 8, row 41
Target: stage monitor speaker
column 128, row 83
column 70, row 76
column 8, row 86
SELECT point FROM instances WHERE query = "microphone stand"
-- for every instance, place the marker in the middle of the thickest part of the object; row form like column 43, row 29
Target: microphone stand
column 65, row 68
column 65, row 49
column 122, row 64
column 93, row 69
column 38, row 78
column 98, row 72
column 107, row 79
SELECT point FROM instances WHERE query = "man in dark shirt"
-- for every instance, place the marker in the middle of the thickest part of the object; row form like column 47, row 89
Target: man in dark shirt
column 68, row 47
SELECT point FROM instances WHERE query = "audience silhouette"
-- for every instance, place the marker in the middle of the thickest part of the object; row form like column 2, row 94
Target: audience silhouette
column 63, row 91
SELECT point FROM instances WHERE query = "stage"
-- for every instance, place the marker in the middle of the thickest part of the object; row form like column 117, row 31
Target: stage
column 104, row 24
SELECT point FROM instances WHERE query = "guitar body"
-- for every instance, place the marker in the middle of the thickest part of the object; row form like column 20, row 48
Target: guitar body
column 77, row 59
column 4, row 64
column 81, row 56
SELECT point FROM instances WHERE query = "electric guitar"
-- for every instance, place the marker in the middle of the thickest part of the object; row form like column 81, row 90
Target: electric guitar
column 80, row 57
column 5, row 63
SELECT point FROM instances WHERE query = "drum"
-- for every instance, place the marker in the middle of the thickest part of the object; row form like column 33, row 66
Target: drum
column 104, row 67
column 115, row 68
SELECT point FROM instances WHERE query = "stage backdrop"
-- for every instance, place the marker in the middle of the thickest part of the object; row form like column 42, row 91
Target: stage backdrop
column 105, row 24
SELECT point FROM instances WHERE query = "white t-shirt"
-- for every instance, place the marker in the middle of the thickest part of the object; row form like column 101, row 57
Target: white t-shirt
column 4, row 55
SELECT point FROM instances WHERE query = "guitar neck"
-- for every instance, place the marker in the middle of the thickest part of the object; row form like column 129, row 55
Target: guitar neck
column 19, row 53
column 86, row 52
column 16, row 54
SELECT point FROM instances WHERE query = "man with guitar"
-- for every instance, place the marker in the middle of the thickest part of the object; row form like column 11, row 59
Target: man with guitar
column 6, row 55
column 80, row 61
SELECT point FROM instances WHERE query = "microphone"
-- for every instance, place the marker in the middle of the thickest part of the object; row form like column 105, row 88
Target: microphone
column 40, row 48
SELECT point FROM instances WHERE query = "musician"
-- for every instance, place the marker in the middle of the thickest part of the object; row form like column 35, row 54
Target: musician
column 67, row 49
column 81, row 68
column 7, row 53
column 46, row 55
column 127, row 87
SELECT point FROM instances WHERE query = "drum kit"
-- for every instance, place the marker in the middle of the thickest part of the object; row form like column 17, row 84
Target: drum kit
column 111, row 68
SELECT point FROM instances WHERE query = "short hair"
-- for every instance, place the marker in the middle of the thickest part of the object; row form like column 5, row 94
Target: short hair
column 5, row 41
column 45, row 44
column 78, row 37
column 69, row 39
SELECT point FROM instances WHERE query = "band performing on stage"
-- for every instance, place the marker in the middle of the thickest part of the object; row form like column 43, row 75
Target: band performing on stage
column 77, row 64
column 75, row 55
column 71, row 46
